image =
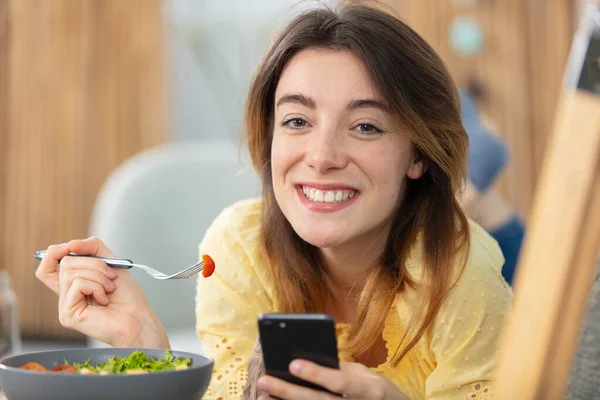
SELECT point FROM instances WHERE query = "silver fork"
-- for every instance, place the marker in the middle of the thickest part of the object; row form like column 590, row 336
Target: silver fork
column 127, row 264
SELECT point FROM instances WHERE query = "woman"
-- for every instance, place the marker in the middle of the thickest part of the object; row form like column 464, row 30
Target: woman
column 354, row 125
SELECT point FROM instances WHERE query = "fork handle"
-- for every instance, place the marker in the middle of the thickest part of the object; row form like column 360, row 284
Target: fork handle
column 112, row 262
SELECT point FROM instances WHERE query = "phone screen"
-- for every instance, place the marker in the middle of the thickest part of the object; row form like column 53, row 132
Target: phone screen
column 286, row 337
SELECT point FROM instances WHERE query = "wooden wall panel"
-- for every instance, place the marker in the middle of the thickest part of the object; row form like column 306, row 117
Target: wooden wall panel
column 550, row 32
column 4, row 42
column 85, row 91
column 520, row 68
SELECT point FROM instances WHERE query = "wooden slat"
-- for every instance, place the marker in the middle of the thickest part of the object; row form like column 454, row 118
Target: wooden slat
column 508, row 104
column 86, row 91
column 558, row 259
column 4, row 103
column 550, row 29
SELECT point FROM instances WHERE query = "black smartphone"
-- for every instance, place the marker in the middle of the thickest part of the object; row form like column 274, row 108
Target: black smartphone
column 286, row 337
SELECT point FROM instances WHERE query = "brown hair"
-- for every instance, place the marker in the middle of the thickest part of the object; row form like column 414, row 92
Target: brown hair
column 424, row 101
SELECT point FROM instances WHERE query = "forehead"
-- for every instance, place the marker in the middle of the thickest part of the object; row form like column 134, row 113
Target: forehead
column 327, row 75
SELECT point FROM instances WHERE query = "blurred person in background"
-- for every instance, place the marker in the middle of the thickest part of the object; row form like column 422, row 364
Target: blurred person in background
column 481, row 200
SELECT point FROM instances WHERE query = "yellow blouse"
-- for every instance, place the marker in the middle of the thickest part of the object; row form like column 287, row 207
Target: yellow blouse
column 453, row 360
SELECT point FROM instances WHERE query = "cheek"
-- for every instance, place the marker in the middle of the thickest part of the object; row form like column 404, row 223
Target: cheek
column 277, row 157
column 283, row 158
column 391, row 185
column 387, row 171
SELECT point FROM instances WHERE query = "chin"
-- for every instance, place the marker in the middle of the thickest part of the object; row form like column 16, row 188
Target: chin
column 319, row 239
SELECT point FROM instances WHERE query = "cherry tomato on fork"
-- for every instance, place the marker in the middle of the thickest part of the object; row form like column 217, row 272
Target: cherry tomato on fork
column 209, row 265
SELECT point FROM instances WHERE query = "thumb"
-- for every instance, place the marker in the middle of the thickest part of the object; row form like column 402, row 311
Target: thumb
column 90, row 247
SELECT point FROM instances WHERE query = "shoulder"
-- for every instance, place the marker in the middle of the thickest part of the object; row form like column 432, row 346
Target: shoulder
column 241, row 216
column 465, row 335
column 484, row 251
column 484, row 260
column 233, row 242
column 238, row 225
column 481, row 279
column 480, row 283
column 479, row 298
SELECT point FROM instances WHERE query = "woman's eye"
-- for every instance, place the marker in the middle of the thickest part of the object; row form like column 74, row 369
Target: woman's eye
column 295, row 123
column 367, row 128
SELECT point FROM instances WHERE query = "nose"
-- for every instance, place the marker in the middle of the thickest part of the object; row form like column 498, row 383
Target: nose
column 326, row 152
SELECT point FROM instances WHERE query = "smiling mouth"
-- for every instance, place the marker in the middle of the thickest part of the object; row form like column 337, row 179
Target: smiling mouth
column 327, row 196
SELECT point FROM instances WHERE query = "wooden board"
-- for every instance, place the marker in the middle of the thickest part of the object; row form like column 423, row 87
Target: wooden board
column 558, row 259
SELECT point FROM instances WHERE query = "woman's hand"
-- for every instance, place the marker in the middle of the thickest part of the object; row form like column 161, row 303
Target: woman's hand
column 353, row 381
column 102, row 302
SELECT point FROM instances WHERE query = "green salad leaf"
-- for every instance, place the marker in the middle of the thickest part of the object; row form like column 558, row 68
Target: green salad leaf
column 136, row 362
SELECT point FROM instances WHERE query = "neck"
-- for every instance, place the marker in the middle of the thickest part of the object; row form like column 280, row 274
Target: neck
column 348, row 265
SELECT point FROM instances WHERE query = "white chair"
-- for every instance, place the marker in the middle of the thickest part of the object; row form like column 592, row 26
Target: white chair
column 155, row 209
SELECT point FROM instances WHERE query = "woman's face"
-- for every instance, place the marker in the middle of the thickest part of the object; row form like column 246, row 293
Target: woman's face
column 338, row 161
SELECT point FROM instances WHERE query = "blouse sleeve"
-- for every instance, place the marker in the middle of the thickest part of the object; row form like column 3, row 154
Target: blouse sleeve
column 228, row 302
column 465, row 335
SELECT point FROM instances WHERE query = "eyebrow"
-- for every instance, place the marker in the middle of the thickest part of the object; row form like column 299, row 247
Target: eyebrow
column 309, row 102
column 298, row 99
column 367, row 103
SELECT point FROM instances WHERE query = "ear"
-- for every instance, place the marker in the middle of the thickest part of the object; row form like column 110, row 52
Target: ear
column 417, row 168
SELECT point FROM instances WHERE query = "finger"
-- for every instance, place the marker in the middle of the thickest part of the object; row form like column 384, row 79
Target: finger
column 364, row 383
column 89, row 288
column 95, row 319
column 47, row 271
column 72, row 303
column 90, row 247
column 284, row 390
column 335, row 380
column 86, row 263
column 68, row 275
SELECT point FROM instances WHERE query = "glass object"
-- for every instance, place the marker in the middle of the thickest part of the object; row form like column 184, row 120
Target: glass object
column 10, row 334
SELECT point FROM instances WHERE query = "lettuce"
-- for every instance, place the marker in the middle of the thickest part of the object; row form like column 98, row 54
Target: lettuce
column 136, row 361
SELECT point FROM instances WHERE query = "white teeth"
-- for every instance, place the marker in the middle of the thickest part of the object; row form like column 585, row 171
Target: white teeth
column 327, row 196
column 319, row 196
column 339, row 195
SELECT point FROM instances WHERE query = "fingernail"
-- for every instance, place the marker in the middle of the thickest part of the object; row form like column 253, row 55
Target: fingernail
column 111, row 284
column 264, row 384
column 111, row 273
column 296, row 367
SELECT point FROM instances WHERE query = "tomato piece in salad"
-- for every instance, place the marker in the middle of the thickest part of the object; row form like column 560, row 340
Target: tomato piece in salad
column 33, row 366
column 65, row 368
